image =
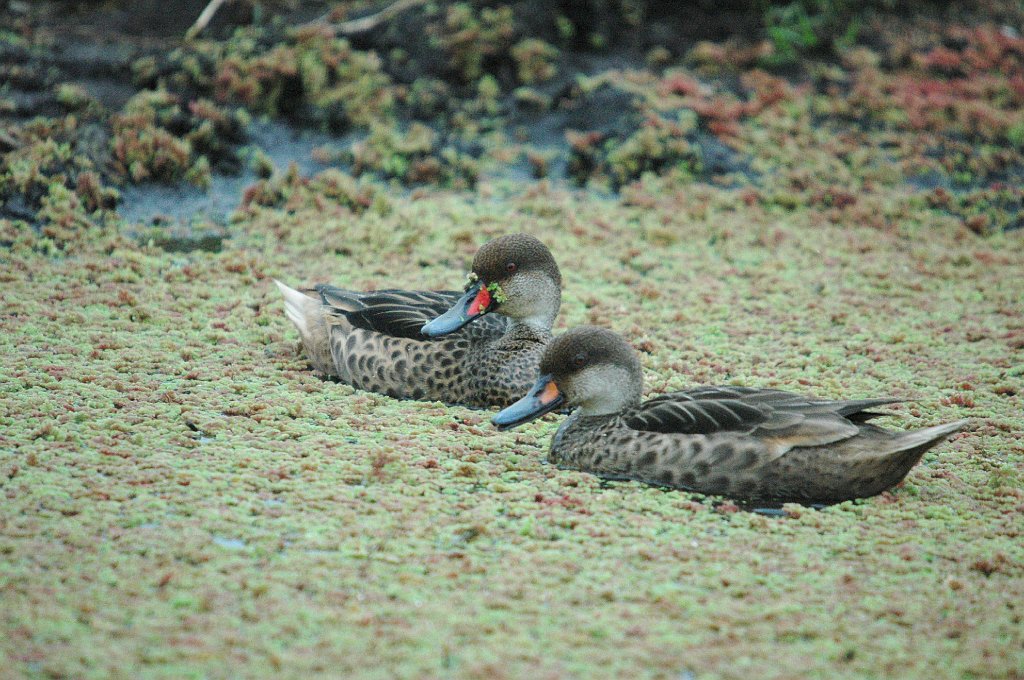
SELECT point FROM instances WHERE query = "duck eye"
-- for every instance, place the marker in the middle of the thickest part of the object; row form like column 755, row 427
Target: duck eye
column 579, row 359
column 511, row 267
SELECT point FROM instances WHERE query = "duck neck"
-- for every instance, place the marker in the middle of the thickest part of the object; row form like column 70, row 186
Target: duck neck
column 529, row 330
column 533, row 302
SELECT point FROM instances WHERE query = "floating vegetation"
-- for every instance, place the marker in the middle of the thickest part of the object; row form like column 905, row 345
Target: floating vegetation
column 832, row 206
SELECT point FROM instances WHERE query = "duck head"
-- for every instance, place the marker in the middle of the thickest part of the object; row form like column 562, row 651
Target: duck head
column 513, row 275
column 589, row 368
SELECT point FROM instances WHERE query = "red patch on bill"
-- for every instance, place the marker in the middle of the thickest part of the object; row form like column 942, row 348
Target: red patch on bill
column 480, row 303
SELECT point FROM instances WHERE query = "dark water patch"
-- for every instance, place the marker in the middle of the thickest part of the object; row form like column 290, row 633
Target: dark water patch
column 15, row 207
column 769, row 512
column 611, row 117
column 112, row 93
column 285, row 144
column 187, row 239
column 928, row 181
column 229, row 543
column 719, row 159
column 158, row 205
column 607, row 110
column 30, row 73
column 93, row 59
column 146, row 19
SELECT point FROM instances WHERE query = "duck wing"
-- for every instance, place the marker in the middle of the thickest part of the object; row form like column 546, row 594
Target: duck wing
column 786, row 418
column 854, row 409
column 700, row 412
column 402, row 313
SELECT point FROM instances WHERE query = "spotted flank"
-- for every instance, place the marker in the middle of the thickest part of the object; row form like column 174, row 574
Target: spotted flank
column 473, row 347
column 748, row 444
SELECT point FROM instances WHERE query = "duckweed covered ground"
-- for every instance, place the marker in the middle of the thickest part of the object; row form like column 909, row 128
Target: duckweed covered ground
column 182, row 498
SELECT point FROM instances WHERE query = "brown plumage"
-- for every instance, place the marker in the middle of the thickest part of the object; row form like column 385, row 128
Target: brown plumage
column 479, row 348
column 749, row 444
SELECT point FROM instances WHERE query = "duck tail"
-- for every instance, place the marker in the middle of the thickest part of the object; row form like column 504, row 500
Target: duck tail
column 299, row 307
column 907, row 448
column 927, row 437
column 307, row 313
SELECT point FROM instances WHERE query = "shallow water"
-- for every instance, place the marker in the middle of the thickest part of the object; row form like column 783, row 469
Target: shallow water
column 149, row 204
column 229, row 543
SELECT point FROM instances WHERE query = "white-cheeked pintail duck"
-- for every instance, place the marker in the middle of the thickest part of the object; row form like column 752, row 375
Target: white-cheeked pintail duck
column 480, row 347
column 753, row 445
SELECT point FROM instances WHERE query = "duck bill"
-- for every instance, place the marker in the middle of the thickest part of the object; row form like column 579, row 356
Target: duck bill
column 475, row 303
column 543, row 397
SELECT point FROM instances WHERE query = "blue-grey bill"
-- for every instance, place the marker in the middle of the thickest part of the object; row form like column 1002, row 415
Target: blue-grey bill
column 456, row 317
column 544, row 397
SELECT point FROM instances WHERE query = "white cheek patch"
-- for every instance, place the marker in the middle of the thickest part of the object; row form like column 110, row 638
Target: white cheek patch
column 533, row 298
column 602, row 389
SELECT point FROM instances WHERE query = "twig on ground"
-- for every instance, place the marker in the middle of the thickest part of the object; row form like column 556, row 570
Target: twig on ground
column 360, row 25
column 203, row 19
column 369, row 22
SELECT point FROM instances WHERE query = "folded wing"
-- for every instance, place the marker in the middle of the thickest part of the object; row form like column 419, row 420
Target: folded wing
column 784, row 418
column 401, row 313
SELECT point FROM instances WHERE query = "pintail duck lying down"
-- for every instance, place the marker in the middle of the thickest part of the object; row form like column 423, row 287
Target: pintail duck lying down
column 748, row 444
column 422, row 344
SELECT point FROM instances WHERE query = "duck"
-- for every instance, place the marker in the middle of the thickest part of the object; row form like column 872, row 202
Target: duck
column 751, row 445
column 479, row 347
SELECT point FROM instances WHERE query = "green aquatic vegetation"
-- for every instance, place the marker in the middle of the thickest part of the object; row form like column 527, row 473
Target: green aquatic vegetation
column 62, row 214
column 170, row 464
column 293, row 191
column 56, row 178
column 415, row 156
column 73, row 97
column 182, row 497
column 984, row 211
column 307, row 74
column 806, row 26
column 970, row 91
column 153, row 154
column 158, row 137
column 1015, row 134
column 487, row 102
column 534, row 61
column 659, row 146
column 497, row 294
column 472, row 38
column 429, row 98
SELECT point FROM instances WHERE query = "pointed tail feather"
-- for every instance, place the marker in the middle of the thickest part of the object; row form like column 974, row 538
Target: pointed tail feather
column 867, row 464
column 907, row 450
column 297, row 306
column 926, row 437
column 307, row 313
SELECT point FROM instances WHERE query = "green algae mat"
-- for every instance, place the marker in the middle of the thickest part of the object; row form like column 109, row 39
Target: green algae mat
column 182, row 498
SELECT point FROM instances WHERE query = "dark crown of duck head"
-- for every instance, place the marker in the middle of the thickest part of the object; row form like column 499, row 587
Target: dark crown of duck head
column 498, row 259
column 586, row 346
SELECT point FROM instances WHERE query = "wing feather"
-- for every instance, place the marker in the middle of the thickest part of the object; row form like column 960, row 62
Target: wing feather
column 768, row 413
column 402, row 313
column 697, row 416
